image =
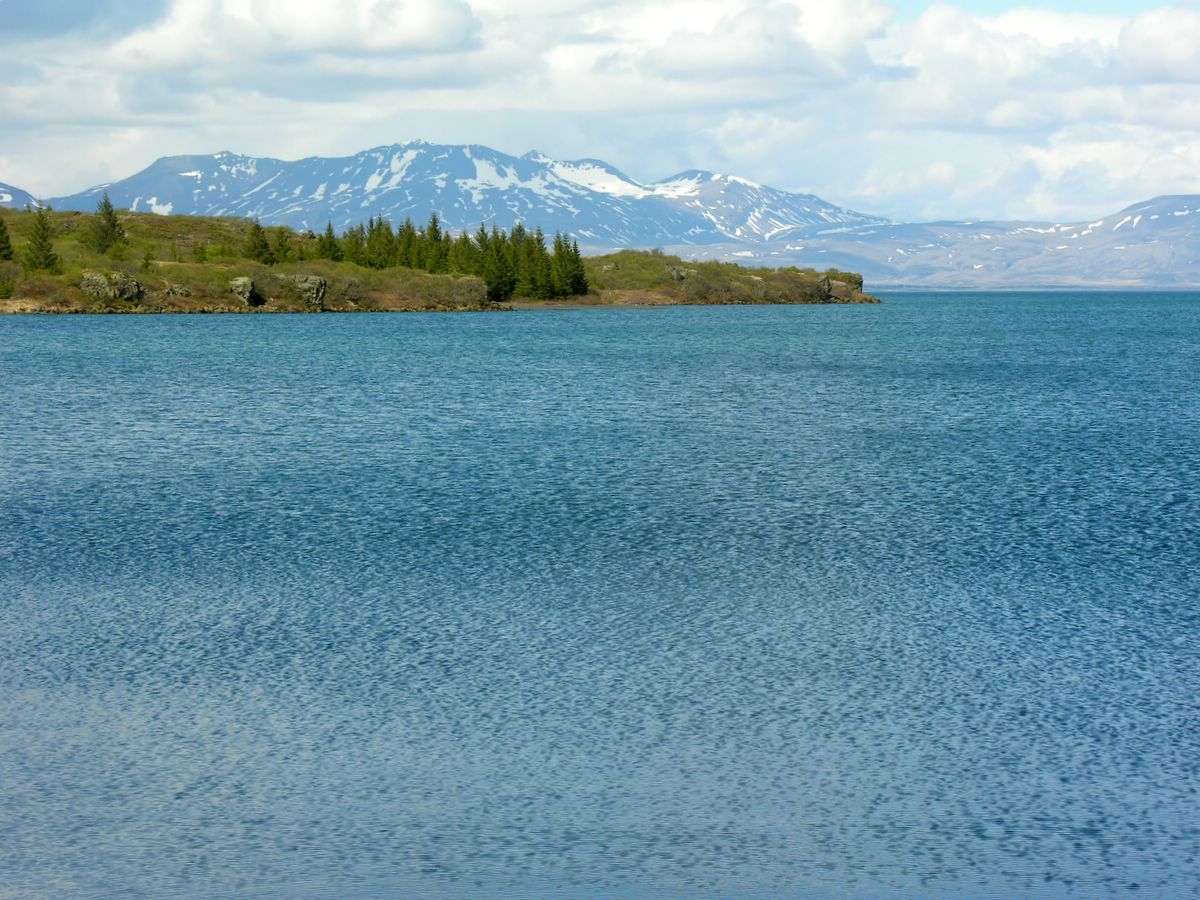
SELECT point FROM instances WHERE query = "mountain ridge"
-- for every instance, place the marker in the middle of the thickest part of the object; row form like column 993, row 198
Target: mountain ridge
column 696, row 213
column 15, row 198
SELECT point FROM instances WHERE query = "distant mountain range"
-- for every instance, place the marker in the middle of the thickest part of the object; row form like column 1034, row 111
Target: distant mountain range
column 694, row 213
column 15, row 197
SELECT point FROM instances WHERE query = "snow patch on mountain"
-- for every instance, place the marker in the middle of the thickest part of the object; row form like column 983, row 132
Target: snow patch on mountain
column 15, row 198
column 696, row 212
column 596, row 176
column 684, row 185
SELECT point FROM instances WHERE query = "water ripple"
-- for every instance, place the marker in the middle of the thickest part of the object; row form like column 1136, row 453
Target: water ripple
column 897, row 602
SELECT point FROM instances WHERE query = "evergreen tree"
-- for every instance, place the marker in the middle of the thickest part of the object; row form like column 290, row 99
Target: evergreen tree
column 39, row 252
column 281, row 247
column 560, row 267
column 381, row 244
column 517, row 239
column 257, row 247
column 482, row 241
column 354, row 245
column 435, row 246
column 408, row 251
column 6, row 250
column 463, row 256
column 578, row 279
column 541, row 277
column 327, row 244
column 105, row 230
column 496, row 271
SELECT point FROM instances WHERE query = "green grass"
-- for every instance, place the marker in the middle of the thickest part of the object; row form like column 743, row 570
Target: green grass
column 162, row 253
column 185, row 263
column 716, row 282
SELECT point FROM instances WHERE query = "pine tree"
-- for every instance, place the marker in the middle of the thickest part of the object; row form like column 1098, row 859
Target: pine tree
column 497, row 272
column 578, row 279
column 257, row 247
column 281, row 247
column 463, row 256
column 39, row 252
column 482, row 239
column 560, row 266
column 408, row 250
column 541, row 276
column 105, row 230
column 327, row 244
column 381, row 244
column 435, row 247
column 354, row 245
column 6, row 250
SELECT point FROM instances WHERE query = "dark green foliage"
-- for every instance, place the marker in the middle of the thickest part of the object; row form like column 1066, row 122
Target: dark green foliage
column 463, row 256
column 39, row 252
column 566, row 268
column 8, row 275
column 409, row 252
column 437, row 246
column 354, row 246
column 281, row 246
column 381, row 244
column 6, row 250
column 497, row 271
column 105, row 231
column 328, row 246
column 387, row 268
column 515, row 263
column 511, row 263
column 257, row 246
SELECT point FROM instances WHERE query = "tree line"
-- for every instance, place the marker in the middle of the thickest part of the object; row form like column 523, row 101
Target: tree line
column 103, row 234
column 511, row 263
column 518, row 262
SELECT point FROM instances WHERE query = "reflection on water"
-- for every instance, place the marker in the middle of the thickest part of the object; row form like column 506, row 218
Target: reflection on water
column 890, row 602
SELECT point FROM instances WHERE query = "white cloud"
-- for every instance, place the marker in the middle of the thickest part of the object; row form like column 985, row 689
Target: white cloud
column 1163, row 45
column 1027, row 112
column 1052, row 28
column 199, row 32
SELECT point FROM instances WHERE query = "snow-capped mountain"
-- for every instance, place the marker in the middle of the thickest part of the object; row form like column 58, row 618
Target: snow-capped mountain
column 15, row 198
column 1150, row 244
column 694, row 213
column 468, row 185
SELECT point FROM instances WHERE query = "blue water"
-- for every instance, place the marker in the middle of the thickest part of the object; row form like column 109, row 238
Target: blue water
column 895, row 601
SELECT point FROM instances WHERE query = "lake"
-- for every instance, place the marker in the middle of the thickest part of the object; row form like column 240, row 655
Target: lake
column 895, row 601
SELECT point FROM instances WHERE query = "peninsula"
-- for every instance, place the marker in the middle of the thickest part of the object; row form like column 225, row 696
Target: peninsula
column 123, row 262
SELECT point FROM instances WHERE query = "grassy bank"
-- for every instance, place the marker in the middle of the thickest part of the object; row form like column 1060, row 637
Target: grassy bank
column 633, row 273
column 197, row 264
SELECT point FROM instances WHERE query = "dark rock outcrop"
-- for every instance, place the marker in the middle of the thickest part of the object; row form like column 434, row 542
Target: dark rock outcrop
column 312, row 290
column 115, row 286
column 245, row 289
column 122, row 287
column 95, row 284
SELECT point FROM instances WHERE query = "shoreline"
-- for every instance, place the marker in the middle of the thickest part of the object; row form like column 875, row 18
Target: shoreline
column 609, row 299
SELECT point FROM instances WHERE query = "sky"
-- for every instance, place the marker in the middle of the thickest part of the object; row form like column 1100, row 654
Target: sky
column 914, row 110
